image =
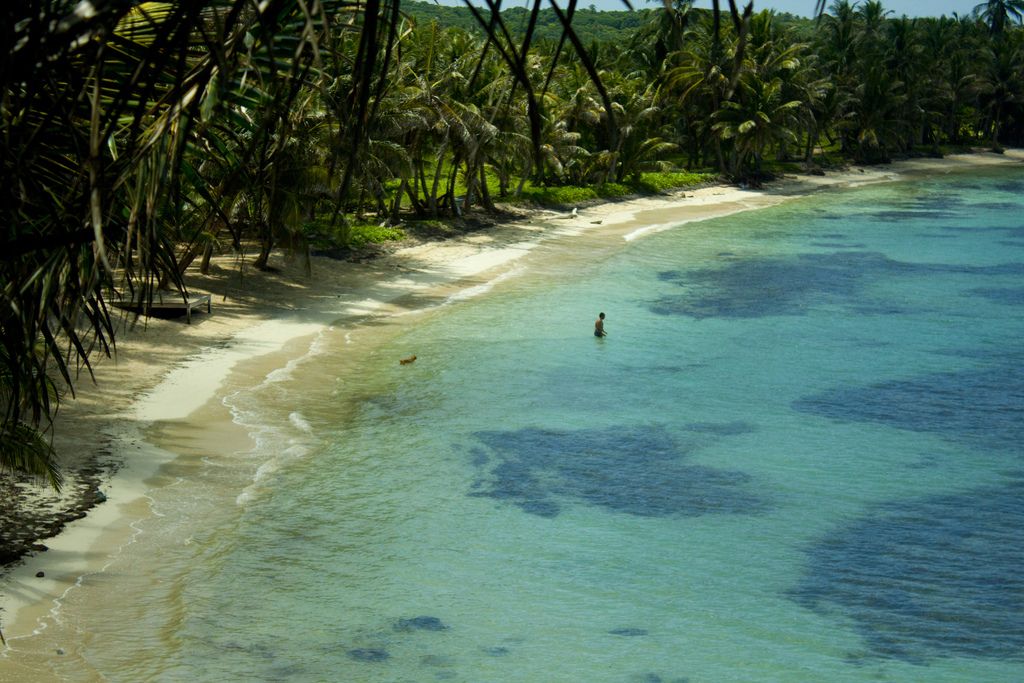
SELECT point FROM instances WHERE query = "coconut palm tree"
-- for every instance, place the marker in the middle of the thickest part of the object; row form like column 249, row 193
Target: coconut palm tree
column 873, row 125
column 903, row 59
column 949, row 46
column 1001, row 87
column 759, row 116
column 700, row 80
column 998, row 13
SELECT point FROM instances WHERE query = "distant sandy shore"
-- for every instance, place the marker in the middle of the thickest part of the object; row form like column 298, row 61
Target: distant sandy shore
column 168, row 372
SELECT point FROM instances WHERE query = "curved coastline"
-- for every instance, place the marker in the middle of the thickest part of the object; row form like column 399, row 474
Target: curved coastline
column 262, row 339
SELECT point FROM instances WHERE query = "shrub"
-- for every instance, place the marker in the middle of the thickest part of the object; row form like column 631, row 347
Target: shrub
column 565, row 195
column 362, row 234
column 671, row 180
column 324, row 236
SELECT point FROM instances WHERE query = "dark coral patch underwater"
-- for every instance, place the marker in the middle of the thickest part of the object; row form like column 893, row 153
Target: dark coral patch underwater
column 369, row 654
column 982, row 406
column 931, row 578
column 1009, row 296
column 634, row 470
column 792, row 285
column 628, row 632
column 424, row 623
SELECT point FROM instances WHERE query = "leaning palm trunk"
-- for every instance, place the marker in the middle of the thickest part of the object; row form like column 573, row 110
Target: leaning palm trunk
column 485, row 192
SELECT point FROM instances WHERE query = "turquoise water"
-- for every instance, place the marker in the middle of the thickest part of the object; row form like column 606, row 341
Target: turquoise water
column 796, row 457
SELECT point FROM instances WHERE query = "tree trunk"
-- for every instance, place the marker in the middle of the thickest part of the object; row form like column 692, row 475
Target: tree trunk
column 432, row 198
column 470, row 183
column 613, row 167
column 721, row 157
column 449, row 193
column 397, row 204
column 522, row 180
column 485, row 193
column 266, row 246
column 996, row 122
column 204, row 266
column 184, row 262
column 812, row 142
column 422, row 178
column 360, row 202
column 448, row 198
column 503, row 178
column 414, row 199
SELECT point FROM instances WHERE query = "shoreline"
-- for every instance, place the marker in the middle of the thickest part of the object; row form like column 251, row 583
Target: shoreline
column 173, row 374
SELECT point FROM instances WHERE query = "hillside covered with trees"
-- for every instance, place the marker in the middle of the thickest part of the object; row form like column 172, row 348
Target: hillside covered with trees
column 140, row 138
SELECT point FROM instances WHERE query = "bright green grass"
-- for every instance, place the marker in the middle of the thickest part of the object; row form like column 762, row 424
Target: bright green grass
column 648, row 183
column 362, row 234
column 323, row 235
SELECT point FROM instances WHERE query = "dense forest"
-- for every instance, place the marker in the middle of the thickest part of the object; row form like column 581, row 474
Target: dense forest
column 141, row 138
column 595, row 27
column 591, row 25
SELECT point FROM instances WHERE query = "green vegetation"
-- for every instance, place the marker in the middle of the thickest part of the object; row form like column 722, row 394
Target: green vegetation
column 592, row 26
column 327, row 236
column 363, row 234
column 673, row 180
column 559, row 196
column 159, row 132
column 648, row 183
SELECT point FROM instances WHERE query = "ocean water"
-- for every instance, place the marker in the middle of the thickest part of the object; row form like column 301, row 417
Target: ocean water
column 796, row 457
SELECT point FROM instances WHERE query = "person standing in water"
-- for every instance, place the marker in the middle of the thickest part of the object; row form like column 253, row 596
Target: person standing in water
column 599, row 326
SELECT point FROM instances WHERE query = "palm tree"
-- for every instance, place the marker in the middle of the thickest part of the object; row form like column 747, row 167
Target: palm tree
column 700, row 80
column 665, row 33
column 903, row 59
column 759, row 116
column 1001, row 86
column 642, row 143
column 873, row 125
column 951, row 79
column 998, row 13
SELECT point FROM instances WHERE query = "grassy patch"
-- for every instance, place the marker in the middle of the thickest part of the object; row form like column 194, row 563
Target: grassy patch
column 615, row 190
column 673, row 180
column 648, row 183
column 565, row 195
column 362, row 234
column 324, row 236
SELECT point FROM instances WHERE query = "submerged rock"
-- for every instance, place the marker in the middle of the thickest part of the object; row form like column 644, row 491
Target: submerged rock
column 369, row 654
column 424, row 623
column 628, row 632
column 440, row 661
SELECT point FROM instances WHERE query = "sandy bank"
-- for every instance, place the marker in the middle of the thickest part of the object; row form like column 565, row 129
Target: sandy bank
column 172, row 374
